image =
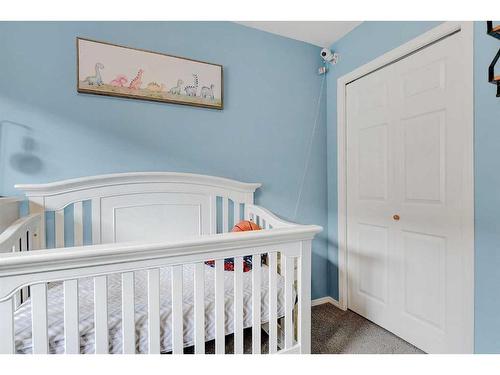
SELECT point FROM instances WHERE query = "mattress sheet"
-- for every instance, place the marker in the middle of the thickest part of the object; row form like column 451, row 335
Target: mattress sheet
column 55, row 306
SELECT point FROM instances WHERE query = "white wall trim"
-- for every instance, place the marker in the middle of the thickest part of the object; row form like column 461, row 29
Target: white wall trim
column 327, row 299
column 430, row 37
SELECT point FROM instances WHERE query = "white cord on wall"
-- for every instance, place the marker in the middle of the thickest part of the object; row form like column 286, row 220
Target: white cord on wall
column 309, row 150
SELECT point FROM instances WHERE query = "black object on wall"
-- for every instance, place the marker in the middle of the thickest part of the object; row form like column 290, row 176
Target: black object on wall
column 494, row 32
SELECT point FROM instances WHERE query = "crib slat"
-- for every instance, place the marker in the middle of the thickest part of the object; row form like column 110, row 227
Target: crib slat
column 238, row 305
column 273, row 303
column 31, row 234
column 18, row 295
column 213, row 214
column 7, row 327
column 154, row 311
column 219, row 307
column 304, row 319
column 288, row 265
column 39, row 318
column 128, row 313
column 177, row 315
column 96, row 221
column 25, row 246
column 236, row 218
column 101, row 314
column 225, row 214
column 256, row 304
column 71, row 324
column 199, row 308
column 37, row 206
column 78, row 223
column 59, row 221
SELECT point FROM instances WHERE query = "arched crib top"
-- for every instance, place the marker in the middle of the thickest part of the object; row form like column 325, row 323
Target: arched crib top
column 117, row 179
column 125, row 206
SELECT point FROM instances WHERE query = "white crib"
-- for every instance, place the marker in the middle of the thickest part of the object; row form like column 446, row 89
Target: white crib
column 128, row 271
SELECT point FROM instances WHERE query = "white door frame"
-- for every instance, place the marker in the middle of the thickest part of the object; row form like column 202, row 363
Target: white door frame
column 442, row 31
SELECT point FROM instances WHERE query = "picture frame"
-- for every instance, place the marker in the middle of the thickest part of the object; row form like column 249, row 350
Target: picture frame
column 114, row 70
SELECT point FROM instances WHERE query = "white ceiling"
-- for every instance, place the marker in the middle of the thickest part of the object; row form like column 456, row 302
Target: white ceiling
column 319, row 33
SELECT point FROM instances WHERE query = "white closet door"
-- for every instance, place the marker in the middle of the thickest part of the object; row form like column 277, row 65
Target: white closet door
column 371, row 194
column 408, row 186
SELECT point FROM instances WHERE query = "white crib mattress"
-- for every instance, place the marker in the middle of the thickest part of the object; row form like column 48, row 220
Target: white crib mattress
column 55, row 303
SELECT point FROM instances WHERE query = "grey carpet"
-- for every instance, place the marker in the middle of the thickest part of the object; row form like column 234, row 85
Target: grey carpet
column 334, row 331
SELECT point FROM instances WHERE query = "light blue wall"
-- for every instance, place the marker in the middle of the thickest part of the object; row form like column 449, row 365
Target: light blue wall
column 271, row 90
column 372, row 39
column 487, row 195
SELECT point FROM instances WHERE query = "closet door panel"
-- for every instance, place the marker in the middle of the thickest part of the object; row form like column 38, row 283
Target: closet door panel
column 407, row 196
column 431, row 174
column 370, row 182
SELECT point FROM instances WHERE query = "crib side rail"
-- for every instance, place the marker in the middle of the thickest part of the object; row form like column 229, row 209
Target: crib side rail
column 98, row 261
column 9, row 211
column 21, row 236
column 265, row 218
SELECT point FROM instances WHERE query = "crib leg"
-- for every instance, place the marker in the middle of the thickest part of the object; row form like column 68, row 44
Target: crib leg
column 305, row 298
column 7, row 326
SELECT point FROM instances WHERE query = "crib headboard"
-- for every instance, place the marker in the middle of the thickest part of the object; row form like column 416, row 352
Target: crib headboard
column 136, row 206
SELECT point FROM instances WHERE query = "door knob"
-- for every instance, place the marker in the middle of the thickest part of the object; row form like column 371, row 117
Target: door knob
column 396, row 217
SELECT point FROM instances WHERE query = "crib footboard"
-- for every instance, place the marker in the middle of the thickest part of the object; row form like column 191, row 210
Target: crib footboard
column 287, row 250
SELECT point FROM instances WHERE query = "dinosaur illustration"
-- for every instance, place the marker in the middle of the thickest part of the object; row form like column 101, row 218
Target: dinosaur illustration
column 177, row 89
column 191, row 90
column 208, row 92
column 96, row 79
column 136, row 83
column 119, row 81
column 156, row 87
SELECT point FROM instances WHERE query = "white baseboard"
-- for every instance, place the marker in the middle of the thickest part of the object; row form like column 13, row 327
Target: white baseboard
column 327, row 299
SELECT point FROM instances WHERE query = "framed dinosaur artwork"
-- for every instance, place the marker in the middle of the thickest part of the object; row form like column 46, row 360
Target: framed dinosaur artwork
column 114, row 70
